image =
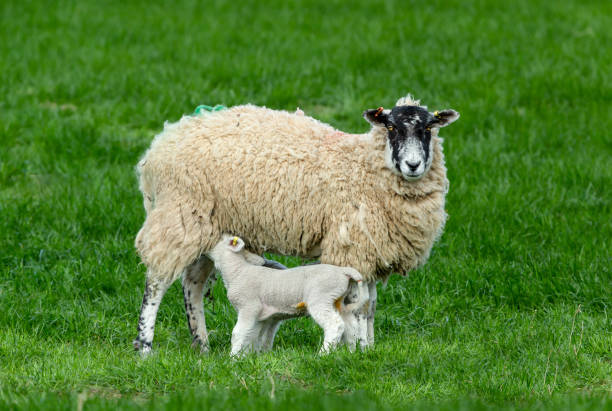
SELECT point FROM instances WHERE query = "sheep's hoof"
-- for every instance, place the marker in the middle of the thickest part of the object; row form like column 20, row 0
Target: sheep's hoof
column 199, row 346
column 365, row 345
column 143, row 348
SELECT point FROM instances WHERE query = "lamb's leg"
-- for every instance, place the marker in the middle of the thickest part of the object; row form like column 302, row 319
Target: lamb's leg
column 263, row 333
column 333, row 326
column 155, row 289
column 261, row 337
column 371, row 311
column 268, row 334
column 196, row 280
column 245, row 332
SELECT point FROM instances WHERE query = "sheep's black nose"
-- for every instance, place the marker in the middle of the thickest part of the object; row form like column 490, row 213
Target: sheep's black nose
column 413, row 166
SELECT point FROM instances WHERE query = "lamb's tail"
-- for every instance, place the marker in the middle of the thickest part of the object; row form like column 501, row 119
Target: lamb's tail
column 362, row 295
column 353, row 274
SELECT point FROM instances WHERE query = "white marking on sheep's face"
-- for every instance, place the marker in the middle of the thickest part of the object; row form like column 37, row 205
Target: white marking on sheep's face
column 409, row 148
column 409, row 151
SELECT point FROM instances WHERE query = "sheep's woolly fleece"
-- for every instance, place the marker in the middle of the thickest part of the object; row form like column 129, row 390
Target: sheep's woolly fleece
column 285, row 183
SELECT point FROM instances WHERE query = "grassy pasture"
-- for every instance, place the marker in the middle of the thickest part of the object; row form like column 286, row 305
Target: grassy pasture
column 513, row 308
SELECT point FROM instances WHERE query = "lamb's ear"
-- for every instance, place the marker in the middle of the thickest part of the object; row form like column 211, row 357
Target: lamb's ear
column 377, row 116
column 236, row 244
column 443, row 118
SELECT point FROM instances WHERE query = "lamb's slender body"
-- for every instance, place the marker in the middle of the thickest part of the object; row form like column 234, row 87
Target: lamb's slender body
column 263, row 297
column 286, row 183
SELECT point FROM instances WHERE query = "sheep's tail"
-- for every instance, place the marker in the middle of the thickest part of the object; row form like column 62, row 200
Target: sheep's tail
column 362, row 291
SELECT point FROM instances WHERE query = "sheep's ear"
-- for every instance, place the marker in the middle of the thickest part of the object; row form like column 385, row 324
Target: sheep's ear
column 377, row 116
column 443, row 118
column 236, row 244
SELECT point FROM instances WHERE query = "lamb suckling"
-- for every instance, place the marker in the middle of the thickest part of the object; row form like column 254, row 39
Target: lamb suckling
column 289, row 184
column 263, row 297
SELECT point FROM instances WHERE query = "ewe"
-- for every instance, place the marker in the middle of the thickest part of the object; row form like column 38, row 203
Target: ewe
column 289, row 184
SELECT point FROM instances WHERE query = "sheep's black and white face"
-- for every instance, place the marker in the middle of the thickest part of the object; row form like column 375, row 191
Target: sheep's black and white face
column 409, row 150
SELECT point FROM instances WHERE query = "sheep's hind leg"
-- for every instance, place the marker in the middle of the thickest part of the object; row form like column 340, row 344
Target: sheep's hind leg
column 155, row 289
column 197, row 278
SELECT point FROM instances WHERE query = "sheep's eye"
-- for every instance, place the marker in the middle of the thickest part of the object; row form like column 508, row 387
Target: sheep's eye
column 389, row 128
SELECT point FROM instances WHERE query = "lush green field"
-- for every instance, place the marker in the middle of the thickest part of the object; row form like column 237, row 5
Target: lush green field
column 513, row 308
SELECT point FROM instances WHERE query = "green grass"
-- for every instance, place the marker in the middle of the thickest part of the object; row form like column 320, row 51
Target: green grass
column 511, row 311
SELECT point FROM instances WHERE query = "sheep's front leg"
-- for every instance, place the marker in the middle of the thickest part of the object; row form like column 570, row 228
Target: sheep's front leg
column 351, row 330
column 350, row 315
column 370, row 313
column 155, row 288
column 246, row 332
column 355, row 316
column 197, row 278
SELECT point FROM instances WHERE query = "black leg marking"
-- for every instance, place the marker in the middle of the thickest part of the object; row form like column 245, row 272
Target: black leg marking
column 196, row 279
column 154, row 292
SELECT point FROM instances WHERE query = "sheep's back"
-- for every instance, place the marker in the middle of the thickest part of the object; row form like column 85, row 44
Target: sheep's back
column 279, row 181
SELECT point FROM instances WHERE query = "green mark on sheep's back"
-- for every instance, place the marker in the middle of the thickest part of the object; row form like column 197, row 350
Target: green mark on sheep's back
column 203, row 109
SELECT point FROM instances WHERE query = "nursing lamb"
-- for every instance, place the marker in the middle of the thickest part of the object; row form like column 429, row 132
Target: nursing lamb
column 263, row 297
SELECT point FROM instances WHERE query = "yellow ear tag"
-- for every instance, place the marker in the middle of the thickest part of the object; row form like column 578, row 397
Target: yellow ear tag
column 234, row 241
column 436, row 113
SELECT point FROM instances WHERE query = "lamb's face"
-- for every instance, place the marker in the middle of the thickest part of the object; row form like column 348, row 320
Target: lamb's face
column 409, row 150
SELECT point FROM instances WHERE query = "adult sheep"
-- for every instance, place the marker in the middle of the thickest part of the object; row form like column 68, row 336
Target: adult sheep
column 289, row 184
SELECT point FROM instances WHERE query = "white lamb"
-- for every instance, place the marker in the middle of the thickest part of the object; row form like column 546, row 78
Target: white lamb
column 264, row 297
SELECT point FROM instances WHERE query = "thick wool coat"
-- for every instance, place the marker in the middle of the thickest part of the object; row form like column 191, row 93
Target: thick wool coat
column 285, row 183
